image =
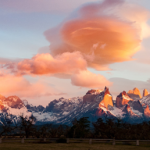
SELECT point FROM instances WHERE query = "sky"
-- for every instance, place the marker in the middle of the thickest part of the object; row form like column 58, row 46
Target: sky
column 51, row 49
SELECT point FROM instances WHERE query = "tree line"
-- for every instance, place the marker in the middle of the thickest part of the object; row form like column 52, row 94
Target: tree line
column 80, row 128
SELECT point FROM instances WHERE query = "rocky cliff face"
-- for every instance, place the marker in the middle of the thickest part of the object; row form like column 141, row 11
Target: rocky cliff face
column 1, row 105
column 137, row 105
column 107, row 99
column 135, row 91
column 133, row 96
column 127, row 109
column 130, row 91
column 95, row 92
column 13, row 102
column 91, row 95
column 122, row 99
column 147, row 112
column 63, row 105
column 13, row 105
column 145, row 101
column 145, row 92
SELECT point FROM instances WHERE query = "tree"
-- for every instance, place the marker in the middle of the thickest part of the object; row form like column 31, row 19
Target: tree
column 8, row 124
column 80, row 128
column 99, row 128
column 27, row 125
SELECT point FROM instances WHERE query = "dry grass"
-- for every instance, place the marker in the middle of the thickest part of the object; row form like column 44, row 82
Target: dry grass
column 71, row 146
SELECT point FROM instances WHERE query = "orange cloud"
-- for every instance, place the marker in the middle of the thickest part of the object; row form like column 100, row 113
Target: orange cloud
column 66, row 63
column 89, row 80
column 104, row 33
column 116, row 42
column 20, row 86
column 72, row 64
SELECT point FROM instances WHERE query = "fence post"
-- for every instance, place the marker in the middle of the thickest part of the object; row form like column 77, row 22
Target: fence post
column 114, row 143
column 90, row 141
column 22, row 140
column 67, row 140
column 137, row 142
column 0, row 140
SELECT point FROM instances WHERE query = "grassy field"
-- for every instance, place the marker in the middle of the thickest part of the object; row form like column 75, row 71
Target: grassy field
column 70, row 146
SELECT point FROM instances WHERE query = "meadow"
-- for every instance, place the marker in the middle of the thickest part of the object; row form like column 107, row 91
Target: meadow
column 72, row 146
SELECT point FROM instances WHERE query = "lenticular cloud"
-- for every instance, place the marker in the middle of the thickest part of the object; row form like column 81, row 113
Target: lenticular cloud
column 104, row 33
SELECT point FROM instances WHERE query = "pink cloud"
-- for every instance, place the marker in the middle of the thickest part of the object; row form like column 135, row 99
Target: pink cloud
column 41, row 64
column 20, row 86
column 89, row 80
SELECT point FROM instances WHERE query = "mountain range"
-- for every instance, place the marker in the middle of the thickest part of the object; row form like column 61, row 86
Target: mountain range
column 130, row 106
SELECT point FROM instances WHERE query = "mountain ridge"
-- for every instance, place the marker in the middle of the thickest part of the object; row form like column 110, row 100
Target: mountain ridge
column 94, row 104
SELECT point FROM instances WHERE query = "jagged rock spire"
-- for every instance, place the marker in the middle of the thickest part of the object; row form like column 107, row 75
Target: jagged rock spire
column 145, row 92
column 122, row 99
column 135, row 91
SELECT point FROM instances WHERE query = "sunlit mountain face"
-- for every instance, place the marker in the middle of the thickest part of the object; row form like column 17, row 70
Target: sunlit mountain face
column 94, row 104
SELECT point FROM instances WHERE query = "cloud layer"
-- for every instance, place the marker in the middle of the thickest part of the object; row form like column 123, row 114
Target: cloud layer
column 90, row 80
column 12, row 85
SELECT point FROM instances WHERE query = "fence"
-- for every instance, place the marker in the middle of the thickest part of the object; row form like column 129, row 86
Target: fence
column 69, row 140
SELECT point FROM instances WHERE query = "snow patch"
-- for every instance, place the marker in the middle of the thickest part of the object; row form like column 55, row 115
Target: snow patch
column 117, row 112
column 18, row 112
